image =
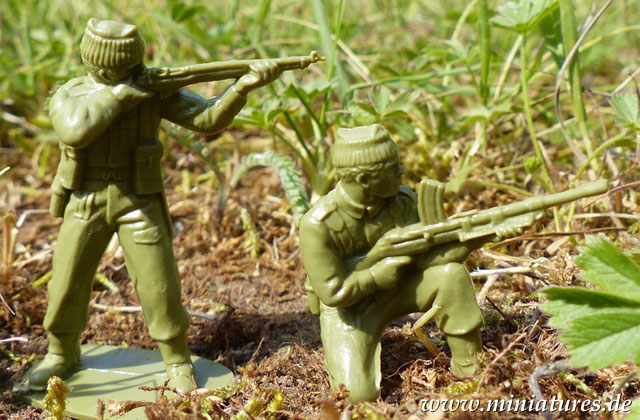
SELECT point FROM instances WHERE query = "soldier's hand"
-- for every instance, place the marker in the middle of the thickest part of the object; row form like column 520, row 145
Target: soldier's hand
column 129, row 94
column 508, row 230
column 399, row 242
column 260, row 74
column 387, row 271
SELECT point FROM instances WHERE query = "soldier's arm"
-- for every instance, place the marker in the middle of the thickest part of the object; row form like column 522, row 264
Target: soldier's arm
column 335, row 284
column 446, row 253
column 80, row 112
column 331, row 281
column 210, row 116
column 203, row 115
column 396, row 242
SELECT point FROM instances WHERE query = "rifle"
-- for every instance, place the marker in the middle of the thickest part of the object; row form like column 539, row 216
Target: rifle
column 158, row 79
column 435, row 228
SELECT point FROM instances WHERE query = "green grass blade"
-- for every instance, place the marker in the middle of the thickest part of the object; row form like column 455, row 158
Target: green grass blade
column 484, row 41
column 569, row 39
column 329, row 45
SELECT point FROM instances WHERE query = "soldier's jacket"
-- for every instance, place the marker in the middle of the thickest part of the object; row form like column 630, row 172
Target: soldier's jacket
column 99, row 141
column 337, row 229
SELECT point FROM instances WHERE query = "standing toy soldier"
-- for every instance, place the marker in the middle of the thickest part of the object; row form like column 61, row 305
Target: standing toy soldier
column 109, row 181
column 374, row 251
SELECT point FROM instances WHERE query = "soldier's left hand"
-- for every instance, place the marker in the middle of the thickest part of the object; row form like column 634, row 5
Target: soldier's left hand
column 260, row 74
column 508, row 230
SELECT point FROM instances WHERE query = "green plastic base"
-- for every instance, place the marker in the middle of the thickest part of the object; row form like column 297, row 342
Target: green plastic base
column 113, row 373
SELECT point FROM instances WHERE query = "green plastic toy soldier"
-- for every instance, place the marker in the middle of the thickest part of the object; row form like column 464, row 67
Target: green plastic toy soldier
column 374, row 251
column 356, row 305
column 109, row 181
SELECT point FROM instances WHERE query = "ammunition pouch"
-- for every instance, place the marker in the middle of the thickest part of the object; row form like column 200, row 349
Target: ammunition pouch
column 70, row 172
column 147, row 168
column 59, row 198
column 312, row 299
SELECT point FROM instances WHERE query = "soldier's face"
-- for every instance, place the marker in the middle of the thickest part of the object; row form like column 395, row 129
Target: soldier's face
column 111, row 76
column 386, row 183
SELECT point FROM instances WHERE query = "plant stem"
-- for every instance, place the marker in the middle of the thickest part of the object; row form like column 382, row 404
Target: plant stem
column 484, row 41
column 609, row 143
column 546, row 180
column 506, row 66
column 330, row 49
column 569, row 38
column 334, row 65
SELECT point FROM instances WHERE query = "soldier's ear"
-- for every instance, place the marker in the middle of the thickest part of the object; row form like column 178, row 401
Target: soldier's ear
column 363, row 179
column 102, row 75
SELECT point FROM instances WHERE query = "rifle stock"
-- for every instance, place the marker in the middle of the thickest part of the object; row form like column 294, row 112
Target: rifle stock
column 159, row 79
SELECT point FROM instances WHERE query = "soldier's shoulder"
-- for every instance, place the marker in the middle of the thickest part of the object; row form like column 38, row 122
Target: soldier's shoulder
column 324, row 213
column 324, row 207
column 404, row 201
column 74, row 87
column 76, row 82
column 406, row 194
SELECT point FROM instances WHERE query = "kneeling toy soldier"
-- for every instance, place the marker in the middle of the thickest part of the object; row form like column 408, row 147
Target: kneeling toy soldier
column 361, row 278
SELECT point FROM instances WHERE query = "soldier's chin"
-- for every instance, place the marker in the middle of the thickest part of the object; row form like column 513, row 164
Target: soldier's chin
column 390, row 193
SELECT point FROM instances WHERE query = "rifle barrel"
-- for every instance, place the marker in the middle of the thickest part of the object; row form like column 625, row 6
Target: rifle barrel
column 540, row 203
column 441, row 231
column 157, row 79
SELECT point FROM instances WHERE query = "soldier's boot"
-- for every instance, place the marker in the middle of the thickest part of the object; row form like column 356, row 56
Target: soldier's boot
column 464, row 352
column 61, row 359
column 175, row 354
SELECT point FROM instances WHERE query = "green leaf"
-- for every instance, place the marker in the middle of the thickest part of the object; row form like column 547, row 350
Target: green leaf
column 362, row 113
column 551, row 30
column 250, row 116
column 609, row 269
column 524, row 15
column 294, row 91
column 460, row 178
column 601, row 327
column 482, row 113
column 366, row 108
column 600, row 340
column 381, row 98
column 405, row 101
column 532, row 163
column 626, row 106
column 568, row 303
column 457, row 49
column 397, row 113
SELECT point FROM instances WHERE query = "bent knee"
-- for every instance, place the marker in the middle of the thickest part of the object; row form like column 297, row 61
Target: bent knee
column 447, row 273
column 456, row 270
column 450, row 281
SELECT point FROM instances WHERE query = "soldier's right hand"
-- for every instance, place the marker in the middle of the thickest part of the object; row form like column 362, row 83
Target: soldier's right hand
column 387, row 271
column 129, row 95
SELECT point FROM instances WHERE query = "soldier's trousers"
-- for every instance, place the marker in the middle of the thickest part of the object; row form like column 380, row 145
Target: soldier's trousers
column 91, row 217
column 351, row 336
